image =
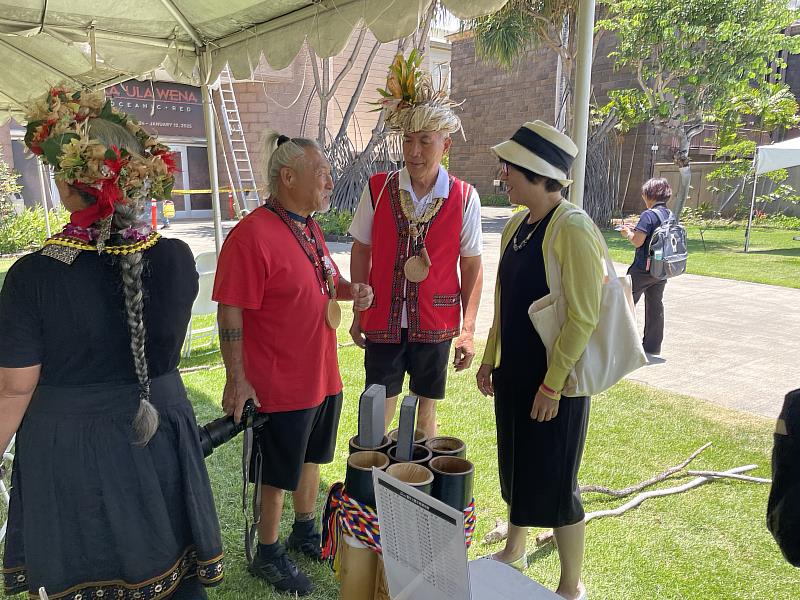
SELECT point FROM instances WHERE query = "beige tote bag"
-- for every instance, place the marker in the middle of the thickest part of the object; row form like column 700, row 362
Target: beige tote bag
column 614, row 348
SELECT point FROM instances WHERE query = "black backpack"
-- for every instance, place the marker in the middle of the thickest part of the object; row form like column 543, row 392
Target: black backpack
column 667, row 252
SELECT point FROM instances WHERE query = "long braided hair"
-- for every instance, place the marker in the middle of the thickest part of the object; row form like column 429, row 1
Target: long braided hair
column 129, row 214
column 145, row 423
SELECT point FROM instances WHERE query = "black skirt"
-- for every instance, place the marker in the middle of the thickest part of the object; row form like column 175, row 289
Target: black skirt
column 539, row 462
column 94, row 515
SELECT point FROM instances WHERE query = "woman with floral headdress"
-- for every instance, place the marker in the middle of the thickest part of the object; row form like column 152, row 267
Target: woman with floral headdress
column 110, row 495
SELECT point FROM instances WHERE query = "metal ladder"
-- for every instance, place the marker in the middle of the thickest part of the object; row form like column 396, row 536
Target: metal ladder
column 240, row 157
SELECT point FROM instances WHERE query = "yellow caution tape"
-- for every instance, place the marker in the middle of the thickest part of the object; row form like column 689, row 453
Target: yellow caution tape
column 222, row 189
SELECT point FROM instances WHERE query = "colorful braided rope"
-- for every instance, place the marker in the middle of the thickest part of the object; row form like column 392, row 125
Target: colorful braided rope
column 470, row 518
column 348, row 516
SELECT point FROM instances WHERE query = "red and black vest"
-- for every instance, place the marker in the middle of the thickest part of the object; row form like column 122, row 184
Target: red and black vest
column 433, row 306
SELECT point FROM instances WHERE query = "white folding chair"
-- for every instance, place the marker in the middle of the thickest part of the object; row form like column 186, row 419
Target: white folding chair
column 5, row 467
column 203, row 305
column 206, row 262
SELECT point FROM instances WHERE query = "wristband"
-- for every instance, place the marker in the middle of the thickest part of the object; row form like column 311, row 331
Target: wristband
column 549, row 392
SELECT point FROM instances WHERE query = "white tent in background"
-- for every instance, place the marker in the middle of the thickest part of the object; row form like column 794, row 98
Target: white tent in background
column 771, row 158
column 97, row 43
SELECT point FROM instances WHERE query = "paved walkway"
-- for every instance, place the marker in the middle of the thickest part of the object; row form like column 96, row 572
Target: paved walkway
column 728, row 342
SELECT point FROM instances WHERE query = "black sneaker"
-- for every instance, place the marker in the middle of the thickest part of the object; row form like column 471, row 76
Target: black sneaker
column 304, row 539
column 281, row 572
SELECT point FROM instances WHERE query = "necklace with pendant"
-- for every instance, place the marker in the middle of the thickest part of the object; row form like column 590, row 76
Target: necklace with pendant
column 516, row 244
column 311, row 245
column 418, row 266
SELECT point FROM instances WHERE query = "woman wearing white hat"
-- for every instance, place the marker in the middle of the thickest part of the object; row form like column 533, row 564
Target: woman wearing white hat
column 540, row 435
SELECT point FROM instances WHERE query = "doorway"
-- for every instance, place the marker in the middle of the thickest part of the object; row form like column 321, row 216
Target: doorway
column 193, row 200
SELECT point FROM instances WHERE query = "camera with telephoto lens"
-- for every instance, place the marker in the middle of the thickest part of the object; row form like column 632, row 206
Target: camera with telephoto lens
column 221, row 430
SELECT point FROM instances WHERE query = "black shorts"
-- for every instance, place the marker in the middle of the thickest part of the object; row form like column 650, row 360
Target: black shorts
column 387, row 365
column 290, row 439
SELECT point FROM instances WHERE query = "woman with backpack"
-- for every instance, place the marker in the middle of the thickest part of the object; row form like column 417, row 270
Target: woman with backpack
column 655, row 193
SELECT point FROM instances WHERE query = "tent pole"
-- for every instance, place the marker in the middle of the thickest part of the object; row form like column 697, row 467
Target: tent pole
column 44, row 199
column 752, row 207
column 583, row 80
column 211, row 137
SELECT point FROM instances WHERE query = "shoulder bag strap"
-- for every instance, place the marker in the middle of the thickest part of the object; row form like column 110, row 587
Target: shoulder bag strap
column 554, row 269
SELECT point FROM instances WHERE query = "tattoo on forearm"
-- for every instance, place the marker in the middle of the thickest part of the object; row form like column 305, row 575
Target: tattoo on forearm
column 230, row 335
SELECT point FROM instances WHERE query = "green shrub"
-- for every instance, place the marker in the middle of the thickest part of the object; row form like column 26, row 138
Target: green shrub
column 334, row 222
column 8, row 186
column 783, row 221
column 27, row 230
column 495, row 200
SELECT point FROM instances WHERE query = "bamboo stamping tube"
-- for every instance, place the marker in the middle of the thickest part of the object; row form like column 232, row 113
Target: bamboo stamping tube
column 413, row 474
column 358, row 478
column 381, row 586
column 419, row 455
column 354, row 447
column 453, row 480
column 419, row 436
column 447, row 446
column 358, row 570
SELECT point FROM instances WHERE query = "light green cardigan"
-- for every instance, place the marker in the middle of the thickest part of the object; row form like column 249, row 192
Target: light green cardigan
column 581, row 257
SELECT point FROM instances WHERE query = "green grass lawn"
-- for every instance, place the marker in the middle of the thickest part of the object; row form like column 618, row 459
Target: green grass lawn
column 708, row 543
column 774, row 257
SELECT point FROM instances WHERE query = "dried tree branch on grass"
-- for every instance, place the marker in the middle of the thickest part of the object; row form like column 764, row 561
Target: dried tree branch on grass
column 500, row 531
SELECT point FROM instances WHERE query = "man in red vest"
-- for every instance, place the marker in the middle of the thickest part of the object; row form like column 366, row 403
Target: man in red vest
column 413, row 231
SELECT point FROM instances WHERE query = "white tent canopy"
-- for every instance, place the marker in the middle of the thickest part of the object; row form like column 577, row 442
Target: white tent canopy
column 99, row 42
column 96, row 43
column 771, row 158
column 777, row 156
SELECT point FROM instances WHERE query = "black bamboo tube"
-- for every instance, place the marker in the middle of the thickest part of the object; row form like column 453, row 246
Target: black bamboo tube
column 414, row 475
column 358, row 478
column 419, row 436
column 420, row 455
column 453, row 479
column 447, row 446
column 354, row 447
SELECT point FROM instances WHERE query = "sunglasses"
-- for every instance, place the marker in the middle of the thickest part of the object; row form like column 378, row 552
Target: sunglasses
column 504, row 168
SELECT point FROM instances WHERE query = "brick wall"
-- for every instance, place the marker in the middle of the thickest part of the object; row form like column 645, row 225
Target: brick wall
column 285, row 100
column 497, row 102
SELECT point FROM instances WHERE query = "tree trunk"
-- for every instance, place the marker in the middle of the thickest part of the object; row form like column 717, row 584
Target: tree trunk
column 681, row 159
column 563, row 75
column 324, row 97
column 357, row 93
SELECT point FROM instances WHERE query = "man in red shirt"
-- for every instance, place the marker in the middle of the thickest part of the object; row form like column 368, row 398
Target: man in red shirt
column 277, row 286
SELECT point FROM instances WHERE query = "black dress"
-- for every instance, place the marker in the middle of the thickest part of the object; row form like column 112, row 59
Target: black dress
column 93, row 515
column 538, row 461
